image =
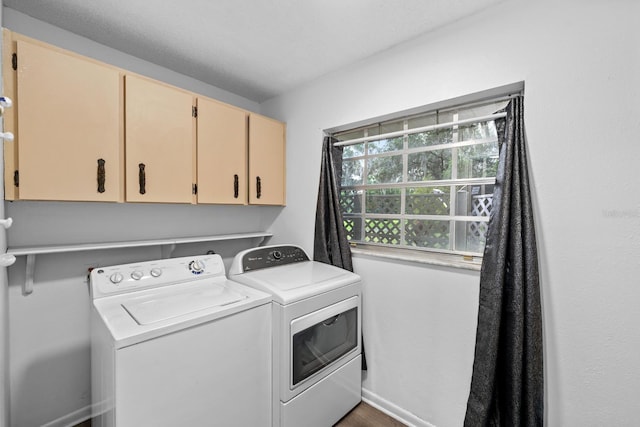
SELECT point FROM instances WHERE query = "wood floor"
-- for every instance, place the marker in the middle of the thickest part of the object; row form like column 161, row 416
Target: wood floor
column 362, row 415
column 365, row 415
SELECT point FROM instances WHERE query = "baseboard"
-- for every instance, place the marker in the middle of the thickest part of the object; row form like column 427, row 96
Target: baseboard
column 72, row 419
column 393, row 410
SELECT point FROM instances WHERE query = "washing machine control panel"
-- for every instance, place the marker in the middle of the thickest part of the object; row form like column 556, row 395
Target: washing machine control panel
column 272, row 256
column 125, row 278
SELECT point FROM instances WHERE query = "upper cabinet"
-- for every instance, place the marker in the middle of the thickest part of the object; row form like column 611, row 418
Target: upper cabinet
column 87, row 131
column 266, row 161
column 160, row 142
column 69, row 127
column 222, row 153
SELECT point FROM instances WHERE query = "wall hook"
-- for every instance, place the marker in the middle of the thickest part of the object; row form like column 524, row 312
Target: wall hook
column 7, row 136
column 7, row 260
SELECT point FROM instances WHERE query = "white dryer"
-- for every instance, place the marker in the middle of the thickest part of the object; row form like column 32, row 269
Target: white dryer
column 176, row 343
column 316, row 333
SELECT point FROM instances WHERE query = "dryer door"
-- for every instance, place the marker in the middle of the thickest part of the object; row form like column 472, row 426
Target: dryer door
column 321, row 338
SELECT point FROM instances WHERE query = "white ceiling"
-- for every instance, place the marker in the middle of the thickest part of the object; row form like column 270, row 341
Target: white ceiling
column 256, row 48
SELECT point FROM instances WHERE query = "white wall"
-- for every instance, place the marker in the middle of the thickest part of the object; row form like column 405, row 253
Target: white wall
column 49, row 330
column 581, row 66
column 4, row 309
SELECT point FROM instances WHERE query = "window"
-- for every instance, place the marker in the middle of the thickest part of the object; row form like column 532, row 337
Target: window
column 422, row 182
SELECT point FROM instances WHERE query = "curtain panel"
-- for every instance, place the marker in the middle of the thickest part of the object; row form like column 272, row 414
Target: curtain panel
column 507, row 381
column 331, row 245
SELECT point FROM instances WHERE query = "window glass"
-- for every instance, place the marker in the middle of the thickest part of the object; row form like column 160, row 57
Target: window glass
column 351, row 201
column 353, row 227
column 352, row 171
column 373, row 130
column 384, row 170
column 480, row 109
column 432, row 165
column 354, row 150
column 383, row 230
column 350, row 134
column 427, row 233
column 428, row 200
column 428, row 191
column 384, row 201
column 384, row 145
column 479, row 130
column 389, row 127
column 470, row 236
column 478, row 161
column 474, row 199
column 429, row 138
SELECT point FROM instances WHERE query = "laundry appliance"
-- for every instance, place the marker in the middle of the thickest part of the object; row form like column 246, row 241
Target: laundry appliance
column 175, row 343
column 316, row 333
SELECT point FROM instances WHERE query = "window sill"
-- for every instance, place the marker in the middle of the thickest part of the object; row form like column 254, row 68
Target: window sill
column 444, row 260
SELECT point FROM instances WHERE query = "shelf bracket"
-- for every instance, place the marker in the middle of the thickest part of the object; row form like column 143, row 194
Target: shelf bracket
column 27, row 287
column 167, row 250
column 264, row 240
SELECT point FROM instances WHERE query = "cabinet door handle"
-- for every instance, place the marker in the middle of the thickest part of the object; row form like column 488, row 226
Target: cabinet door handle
column 142, row 178
column 258, row 187
column 101, row 175
column 236, row 188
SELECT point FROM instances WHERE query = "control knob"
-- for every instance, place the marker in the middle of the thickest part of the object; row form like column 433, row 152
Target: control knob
column 137, row 274
column 276, row 255
column 196, row 266
column 116, row 278
column 156, row 272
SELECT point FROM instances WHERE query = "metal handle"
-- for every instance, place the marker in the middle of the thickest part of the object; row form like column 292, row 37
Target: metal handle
column 101, row 175
column 258, row 187
column 330, row 321
column 142, row 178
column 236, row 188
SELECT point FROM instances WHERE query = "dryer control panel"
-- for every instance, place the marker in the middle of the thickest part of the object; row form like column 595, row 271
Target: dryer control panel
column 267, row 256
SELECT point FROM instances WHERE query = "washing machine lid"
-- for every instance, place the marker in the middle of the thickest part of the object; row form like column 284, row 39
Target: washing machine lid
column 147, row 309
column 294, row 282
column 132, row 318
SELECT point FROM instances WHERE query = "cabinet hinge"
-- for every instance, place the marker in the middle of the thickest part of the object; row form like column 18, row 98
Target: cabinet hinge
column 14, row 61
column 16, row 179
column 194, row 189
column 194, row 111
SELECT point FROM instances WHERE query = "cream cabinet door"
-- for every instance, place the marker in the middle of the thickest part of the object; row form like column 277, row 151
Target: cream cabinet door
column 222, row 153
column 266, row 161
column 69, row 135
column 160, row 142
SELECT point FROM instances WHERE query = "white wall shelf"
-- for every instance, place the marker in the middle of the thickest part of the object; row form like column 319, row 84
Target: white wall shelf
column 167, row 247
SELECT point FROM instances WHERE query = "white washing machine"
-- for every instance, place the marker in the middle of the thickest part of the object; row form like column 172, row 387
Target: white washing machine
column 174, row 343
column 316, row 333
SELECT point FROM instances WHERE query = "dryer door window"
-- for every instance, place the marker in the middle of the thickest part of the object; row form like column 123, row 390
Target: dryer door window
column 332, row 334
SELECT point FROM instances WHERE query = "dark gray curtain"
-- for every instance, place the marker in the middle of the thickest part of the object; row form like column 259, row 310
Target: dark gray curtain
column 507, row 380
column 330, row 244
column 330, row 241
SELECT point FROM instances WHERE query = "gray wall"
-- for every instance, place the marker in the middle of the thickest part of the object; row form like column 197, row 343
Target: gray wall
column 49, row 330
column 581, row 66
